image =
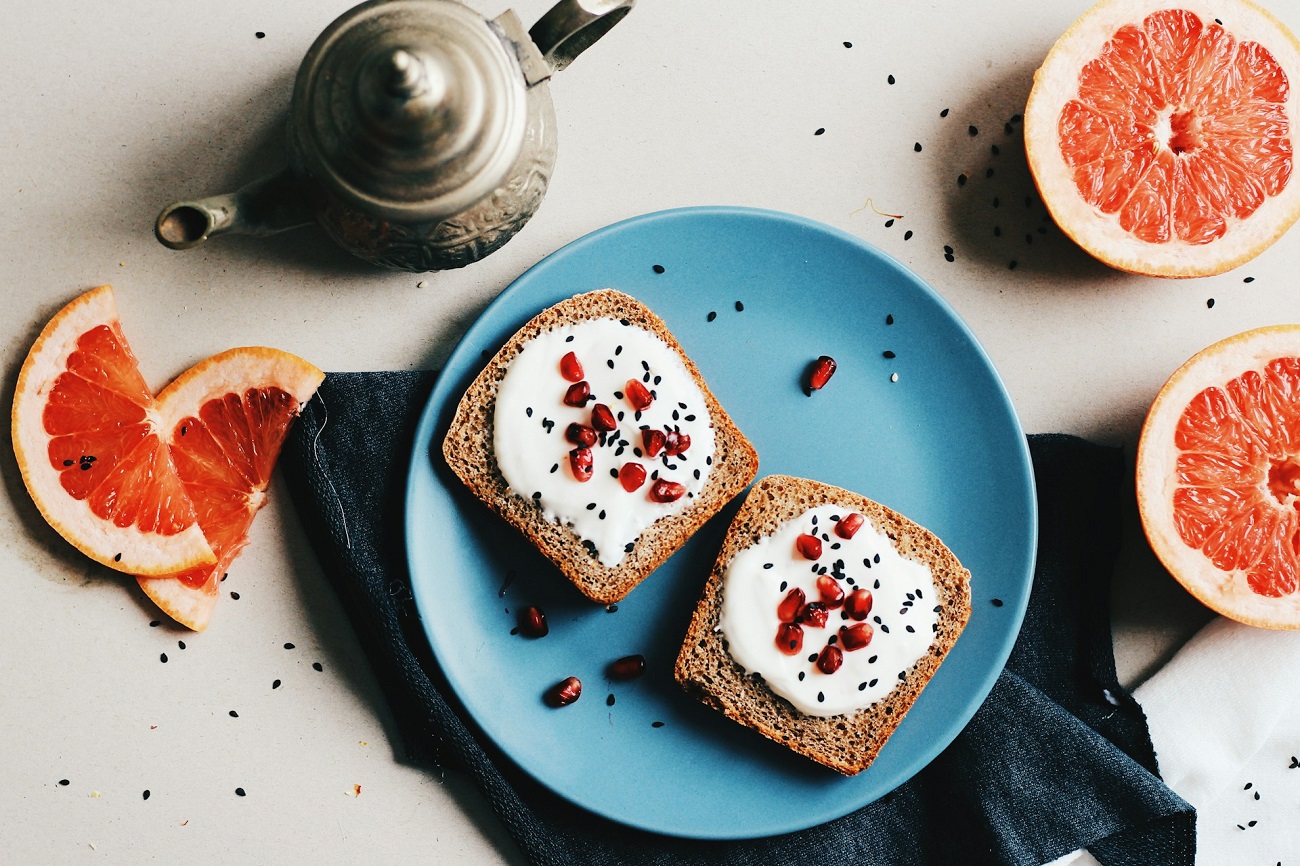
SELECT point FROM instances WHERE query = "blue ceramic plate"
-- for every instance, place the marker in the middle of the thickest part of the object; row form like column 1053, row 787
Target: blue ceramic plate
column 753, row 296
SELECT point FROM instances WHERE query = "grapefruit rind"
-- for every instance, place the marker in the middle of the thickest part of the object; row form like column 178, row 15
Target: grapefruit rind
column 1225, row 592
column 1056, row 82
column 235, row 370
column 125, row 549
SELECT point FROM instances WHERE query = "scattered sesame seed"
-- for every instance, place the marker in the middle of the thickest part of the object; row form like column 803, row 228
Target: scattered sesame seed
column 917, row 147
column 1249, row 280
column 317, row 666
column 275, row 684
column 889, row 223
column 889, row 319
column 240, row 792
column 658, row 269
column 820, row 130
column 848, row 44
column 145, row 795
column 234, row 595
column 1209, row 303
column 180, row 644
column 973, row 130
column 740, row 308
column 711, row 316
column 234, row 715
column 943, row 113
column 609, row 701
column 163, row 658
column 154, row 623
column 888, row 354
column 656, row 724
column 65, row 782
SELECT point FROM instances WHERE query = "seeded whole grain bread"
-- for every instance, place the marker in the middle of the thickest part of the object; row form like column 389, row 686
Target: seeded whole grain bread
column 849, row 742
column 469, row 452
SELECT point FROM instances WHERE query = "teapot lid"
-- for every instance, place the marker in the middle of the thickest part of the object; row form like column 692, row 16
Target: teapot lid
column 410, row 109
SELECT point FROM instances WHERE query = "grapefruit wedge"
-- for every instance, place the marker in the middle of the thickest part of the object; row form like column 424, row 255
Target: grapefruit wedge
column 224, row 421
column 86, row 437
column 1161, row 134
column 1218, row 476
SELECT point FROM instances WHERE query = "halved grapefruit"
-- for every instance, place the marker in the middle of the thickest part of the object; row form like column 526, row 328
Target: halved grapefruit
column 224, row 420
column 1161, row 134
column 86, row 436
column 1218, row 476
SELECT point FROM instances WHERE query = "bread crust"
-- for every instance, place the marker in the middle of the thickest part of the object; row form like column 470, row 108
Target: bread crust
column 468, row 450
column 847, row 743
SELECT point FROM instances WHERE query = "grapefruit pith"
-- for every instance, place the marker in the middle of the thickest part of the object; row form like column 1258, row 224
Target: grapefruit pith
column 1218, row 476
column 1161, row 134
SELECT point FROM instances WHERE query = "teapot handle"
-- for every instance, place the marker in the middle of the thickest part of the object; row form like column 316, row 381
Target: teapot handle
column 572, row 26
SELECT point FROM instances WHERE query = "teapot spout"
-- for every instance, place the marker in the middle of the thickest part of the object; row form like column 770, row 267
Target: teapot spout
column 264, row 207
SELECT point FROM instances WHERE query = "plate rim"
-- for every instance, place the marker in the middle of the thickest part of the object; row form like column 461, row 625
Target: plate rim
column 425, row 435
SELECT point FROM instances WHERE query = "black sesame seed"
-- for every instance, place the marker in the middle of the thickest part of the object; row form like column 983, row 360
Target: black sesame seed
column 820, row 130
column 529, row 411
column 872, row 660
column 163, row 658
column 1012, row 265
column 234, row 715
column 628, row 548
column 609, row 701
column 239, row 792
column 910, row 629
column 994, row 150
column 145, row 795
column 154, row 623
column 888, row 354
column 889, row 223
column 568, row 339
column 784, row 586
column 68, row 462
column 591, row 506
column 740, row 308
column 117, row 558
column 556, row 468
column 180, row 644
column 902, row 675
column 275, row 684
column 917, row 147
column 801, row 676
column 972, row 131
column 317, row 666
column 656, row 724
column 876, row 559
column 602, row 514
column 907, row 235
column 997, row 231
column 961, row 179
column 658, row 379
column 1006, row 127
column 943, row 113
column 811, row 658
column 988, row 173
column 997, row 602
column 537, row 494
column 64, row 782
column 821, row 697
column 848, row 44
column 658, row 269
column 871, row 684
column 884, row 628
column 890, row 79
column 1249, row 280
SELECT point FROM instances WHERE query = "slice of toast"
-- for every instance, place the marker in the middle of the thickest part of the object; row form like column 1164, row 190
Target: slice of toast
column 849, row 741
column 470, row 452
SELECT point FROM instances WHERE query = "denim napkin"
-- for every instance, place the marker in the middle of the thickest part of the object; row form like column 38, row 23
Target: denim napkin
column 1056, row 759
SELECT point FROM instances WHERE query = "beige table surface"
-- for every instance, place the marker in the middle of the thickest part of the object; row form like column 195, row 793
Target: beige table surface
column 110, row 110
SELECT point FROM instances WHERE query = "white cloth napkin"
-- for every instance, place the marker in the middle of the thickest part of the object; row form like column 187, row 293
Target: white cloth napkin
column 1225, row 721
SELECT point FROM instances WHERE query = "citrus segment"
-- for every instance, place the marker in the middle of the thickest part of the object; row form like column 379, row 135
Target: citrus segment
column 1218, row 476
column 1158, row 134
column 86, row 439
column 227, row 418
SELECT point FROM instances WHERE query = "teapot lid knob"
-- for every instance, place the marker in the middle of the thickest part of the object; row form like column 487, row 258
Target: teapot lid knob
column 411, row 109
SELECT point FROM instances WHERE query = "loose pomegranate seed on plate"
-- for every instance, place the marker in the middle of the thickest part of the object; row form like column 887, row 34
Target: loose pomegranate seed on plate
column 809, row 546
column 602, row 418
column 653, row 441
column 858, row 604
column 580, row 461
column 814, row 613
column 631, row 476
column 856, row 636
column 627, row 668
column 789, row 638
column 666, row 491
column 580, row 434
column 849, row 524
column 790, row 606
column 830, row 590
column 532, row 622
column 637, row 395
column 570, row 368
column 820, row 372
column 577, row 394
column 830, row 659
column 563, row 693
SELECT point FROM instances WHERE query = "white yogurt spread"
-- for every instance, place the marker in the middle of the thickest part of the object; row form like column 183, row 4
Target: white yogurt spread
column 903, row 616
column 531, row 418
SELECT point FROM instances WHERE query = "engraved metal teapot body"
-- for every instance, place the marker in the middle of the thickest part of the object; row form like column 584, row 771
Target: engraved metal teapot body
column 421, row 136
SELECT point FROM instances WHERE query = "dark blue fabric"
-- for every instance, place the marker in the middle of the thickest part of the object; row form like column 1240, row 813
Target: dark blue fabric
column 1057, row 758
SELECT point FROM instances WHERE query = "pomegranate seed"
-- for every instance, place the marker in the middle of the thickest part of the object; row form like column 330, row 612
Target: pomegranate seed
column 666, row 491
column 581, row 463
column 580, row 434
column 856, row 636
column 858, row 604
column 831, row 591
column 790, row 606
column 577, row 394
column 631, row 476
column 532, row 622
column 627, row 668
column 563, row 693
column 830, row 659
column 676, row 443
column 638, row 395
column 789, row 638
column 571, row 368
column 814, row 613
column 809, row 546
column 654, row 442
column 849, row 525
column 602, row 418
column 820, row 373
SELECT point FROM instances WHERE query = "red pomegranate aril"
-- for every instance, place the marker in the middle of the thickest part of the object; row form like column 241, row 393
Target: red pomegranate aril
column 820, row 373
column 789, row 638
column 788, row 609
column 830, row 659
column 809, row 546
column 853, row 637
column 580, row 461
column 666, row 491
column 814, row 613
column 580, row 434
column 653, row 442
column 831, row 592
column 563, row 693
column 631, row 476
column 638, row 395
column 849, row 524
column 602, row 418
column 577, row 394
column 532, row 622
column 627, row 668
column 571, row 368
column 676, row 443
column 858, row 604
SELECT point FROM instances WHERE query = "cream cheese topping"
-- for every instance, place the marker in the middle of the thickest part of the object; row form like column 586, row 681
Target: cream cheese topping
column 531, row 418
column 903, row 617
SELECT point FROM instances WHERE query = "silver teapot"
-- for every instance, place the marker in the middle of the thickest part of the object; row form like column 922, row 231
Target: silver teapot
column 421, row 136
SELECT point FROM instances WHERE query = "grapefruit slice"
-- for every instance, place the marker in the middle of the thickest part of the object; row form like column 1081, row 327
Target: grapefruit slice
column 224, row 421
column 1159, row 134
column 1218, row 476
column 85, row 434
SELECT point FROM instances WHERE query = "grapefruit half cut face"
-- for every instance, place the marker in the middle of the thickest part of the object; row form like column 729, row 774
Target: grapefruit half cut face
column 1161, row 134
column 1218, row 476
